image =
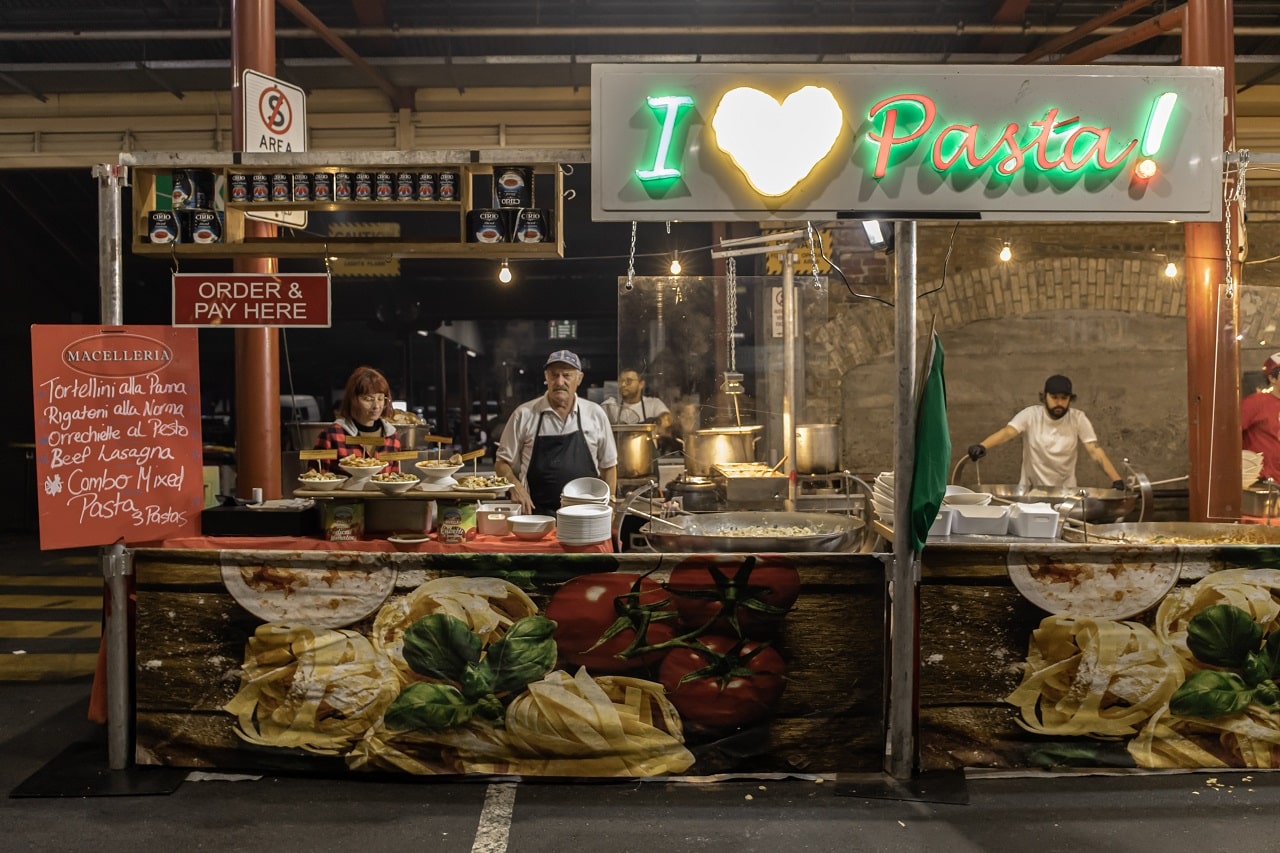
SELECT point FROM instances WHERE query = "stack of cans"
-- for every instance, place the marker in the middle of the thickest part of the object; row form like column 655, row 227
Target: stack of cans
column 194, row 214
column 513, row 217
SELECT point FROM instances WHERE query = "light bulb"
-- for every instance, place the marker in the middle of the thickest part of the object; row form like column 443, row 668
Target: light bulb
column 1171, row 269
column 1145, row 169
column 504, row 274
column 1005, row 252
column 675, row 266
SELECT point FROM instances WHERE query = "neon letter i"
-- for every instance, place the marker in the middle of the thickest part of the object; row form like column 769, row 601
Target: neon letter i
column 670, row 105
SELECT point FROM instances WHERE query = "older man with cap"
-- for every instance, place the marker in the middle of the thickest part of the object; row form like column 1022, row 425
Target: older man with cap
column 1260, row 421
column 556, row 438
column 1051, row 436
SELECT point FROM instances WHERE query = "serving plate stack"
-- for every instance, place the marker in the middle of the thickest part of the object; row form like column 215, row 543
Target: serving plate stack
column 882, row 496
column 584, row 524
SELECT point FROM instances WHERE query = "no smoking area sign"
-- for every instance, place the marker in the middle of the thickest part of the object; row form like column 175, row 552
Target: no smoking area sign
column 275, row 114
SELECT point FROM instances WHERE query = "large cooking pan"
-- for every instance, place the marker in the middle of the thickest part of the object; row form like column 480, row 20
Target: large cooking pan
column 1175, row 533
column 1096, row 506
column 713, row 532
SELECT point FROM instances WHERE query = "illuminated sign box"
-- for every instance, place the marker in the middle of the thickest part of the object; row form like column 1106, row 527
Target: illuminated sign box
column 787, row 142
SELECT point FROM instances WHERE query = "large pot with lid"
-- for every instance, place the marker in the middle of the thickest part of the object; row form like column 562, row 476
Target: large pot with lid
column 635, row 449
column 706, row 448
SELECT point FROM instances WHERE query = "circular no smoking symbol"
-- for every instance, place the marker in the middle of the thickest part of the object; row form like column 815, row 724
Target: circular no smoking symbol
column 274, row 110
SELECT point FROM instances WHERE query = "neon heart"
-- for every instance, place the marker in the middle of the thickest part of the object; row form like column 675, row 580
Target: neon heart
column 777, row 145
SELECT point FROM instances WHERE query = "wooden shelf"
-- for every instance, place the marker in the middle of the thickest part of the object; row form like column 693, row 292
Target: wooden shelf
column 290, row 244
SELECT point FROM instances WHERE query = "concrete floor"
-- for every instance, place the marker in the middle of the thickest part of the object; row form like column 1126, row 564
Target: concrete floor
column 1232, row 811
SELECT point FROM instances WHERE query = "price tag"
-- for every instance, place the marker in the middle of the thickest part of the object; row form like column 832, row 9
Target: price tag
column 366, row 441
column 437, row 439
column 399, row 455
column 317, row 454
column 475, row 454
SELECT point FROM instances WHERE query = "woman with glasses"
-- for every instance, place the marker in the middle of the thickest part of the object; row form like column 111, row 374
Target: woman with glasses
column 365, row 410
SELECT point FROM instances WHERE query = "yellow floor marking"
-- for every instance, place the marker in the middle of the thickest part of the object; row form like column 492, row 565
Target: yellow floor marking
column 46, row 667
column 48, row 580
column 32, row 629
column 50, row 602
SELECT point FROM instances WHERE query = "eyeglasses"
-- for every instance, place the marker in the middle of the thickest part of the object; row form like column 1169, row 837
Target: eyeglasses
column 373, row 399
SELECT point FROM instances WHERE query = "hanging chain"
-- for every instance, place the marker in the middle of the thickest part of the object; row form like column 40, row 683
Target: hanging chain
column 631, row 259
column 731, row 300
column 813, row 254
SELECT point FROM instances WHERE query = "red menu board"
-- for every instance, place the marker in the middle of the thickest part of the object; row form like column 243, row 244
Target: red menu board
column 118, row 450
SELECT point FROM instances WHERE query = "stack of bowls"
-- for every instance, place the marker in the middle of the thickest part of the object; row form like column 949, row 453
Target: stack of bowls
column 882, row 496
column 584, row 524
column 966, row 498
column 585, row 491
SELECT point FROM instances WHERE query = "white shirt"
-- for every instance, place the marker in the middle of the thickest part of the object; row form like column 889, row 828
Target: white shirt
column 516, row 445
column 1051, row 447
column 642, row 411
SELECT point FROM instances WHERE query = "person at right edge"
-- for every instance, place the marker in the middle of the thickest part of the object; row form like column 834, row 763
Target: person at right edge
column 555, row 438
column 1051, row 436
column 1260, row 421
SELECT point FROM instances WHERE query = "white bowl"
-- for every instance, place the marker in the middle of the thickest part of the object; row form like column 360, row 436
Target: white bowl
column 409, row 541
column 334, row 482
column 394, row 487
column 531, row 527
column 959, row 490
column 359, row 475
column 432, row 471
column 586, row 489
column 968, row 499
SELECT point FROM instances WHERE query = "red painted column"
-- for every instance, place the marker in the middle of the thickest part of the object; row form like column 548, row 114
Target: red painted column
column 257, row 351
column 1213, row 309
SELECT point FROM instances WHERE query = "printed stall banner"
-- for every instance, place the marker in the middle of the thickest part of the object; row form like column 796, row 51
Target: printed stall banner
column 118, row 452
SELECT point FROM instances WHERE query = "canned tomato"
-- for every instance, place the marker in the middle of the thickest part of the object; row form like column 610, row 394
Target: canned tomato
column 425, row 182
column 486, row 225
column 342, row 186
column 384, row 187
column 239, row 185
column 512, row 186
column 447, row 186
column 260, row 187
column 362, row 189
column 162, row 226
column 300, row 184
column 192, row 188
column 206, row 226
column 281, row 187
column 405, row 190
column 322, row 186
column 530, row 226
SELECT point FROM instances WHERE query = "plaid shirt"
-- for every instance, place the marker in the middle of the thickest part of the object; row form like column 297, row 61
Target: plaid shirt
column 335, row 438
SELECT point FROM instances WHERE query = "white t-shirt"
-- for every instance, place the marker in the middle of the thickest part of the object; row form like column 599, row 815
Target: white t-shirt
column 640, row 412
column 1050, row 447
column 516, row 445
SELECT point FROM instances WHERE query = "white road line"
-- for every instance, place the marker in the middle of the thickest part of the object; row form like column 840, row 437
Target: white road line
column 494, row 829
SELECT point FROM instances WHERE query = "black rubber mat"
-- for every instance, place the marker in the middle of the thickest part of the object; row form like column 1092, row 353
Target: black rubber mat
column 83, row 770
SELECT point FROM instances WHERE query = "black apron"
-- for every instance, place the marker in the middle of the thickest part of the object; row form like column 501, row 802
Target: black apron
column 554, row 461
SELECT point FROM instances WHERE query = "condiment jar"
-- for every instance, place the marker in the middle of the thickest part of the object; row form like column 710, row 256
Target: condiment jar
column 451, row 529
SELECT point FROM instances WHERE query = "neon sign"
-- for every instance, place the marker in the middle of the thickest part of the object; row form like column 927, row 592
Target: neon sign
column 776, row 144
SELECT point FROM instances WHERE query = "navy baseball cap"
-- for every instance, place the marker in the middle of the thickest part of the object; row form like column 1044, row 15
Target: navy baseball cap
column 1057, row 384
column 564, row 356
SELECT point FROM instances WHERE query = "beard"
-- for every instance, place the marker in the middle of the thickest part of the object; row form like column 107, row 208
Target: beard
column 1057, row 412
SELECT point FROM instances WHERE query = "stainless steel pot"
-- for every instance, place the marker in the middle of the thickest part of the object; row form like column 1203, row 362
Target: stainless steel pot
column 715, row 532
column 817, row 448
column 635, row 449
column 706, row 448
column 697, row 494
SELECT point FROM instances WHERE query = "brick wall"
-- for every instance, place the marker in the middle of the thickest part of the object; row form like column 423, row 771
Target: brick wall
column 1090, row 300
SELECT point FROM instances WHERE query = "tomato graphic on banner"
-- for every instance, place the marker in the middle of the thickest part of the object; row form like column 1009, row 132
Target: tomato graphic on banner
column 118, row 446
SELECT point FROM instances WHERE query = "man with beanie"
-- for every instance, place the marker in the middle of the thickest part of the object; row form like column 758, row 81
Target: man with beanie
column 1051, row 436
column 1260, row 421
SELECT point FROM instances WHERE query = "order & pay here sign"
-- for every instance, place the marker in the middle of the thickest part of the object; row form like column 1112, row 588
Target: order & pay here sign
column 251, row 300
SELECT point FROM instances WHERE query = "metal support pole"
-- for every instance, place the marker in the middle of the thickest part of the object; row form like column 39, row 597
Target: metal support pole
column 115, row 563
column 789, row 375
column 904, row 586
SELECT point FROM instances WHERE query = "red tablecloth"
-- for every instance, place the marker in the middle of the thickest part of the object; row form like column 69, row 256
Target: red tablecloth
column 481, row 544
column 1257, row 519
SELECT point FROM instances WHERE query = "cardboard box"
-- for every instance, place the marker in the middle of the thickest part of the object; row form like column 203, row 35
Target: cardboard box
column 402, row 515
column 342, row 521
